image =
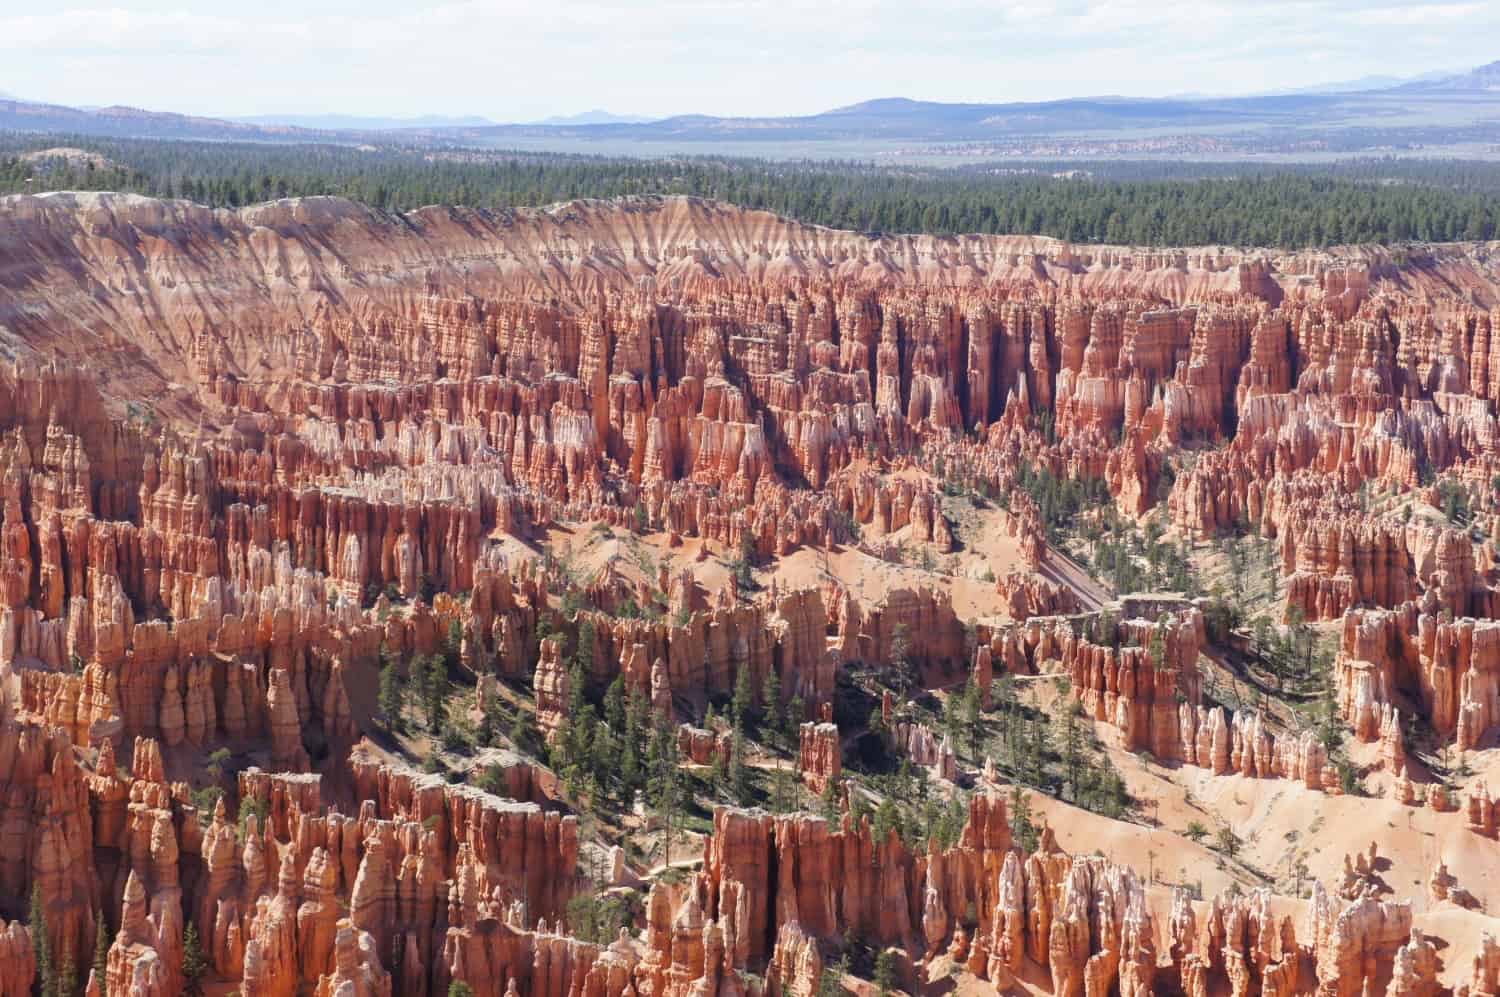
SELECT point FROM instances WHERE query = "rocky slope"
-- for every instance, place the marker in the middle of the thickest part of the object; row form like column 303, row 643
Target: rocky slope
column 241, row 453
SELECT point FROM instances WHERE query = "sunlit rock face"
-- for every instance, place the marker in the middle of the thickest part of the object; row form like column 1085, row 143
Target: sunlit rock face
column 244, row 453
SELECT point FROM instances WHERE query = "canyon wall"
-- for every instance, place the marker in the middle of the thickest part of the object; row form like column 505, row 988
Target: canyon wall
column 242, row 454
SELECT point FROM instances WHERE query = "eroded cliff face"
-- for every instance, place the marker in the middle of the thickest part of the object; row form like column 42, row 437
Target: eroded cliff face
column 726, row 373
column 242, row 452
column 1079, row 924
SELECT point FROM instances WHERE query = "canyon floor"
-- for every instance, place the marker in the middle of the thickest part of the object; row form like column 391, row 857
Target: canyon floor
column 662, row 598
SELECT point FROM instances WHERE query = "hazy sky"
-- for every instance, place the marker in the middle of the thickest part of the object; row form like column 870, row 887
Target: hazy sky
column 513, row 60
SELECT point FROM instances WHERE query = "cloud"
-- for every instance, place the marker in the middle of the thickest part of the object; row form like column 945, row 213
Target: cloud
column 516, row 59
column 1425, row 15
column 121, row 29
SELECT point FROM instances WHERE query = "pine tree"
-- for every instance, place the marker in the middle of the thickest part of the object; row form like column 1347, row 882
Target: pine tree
column 1228, row 842
column 952, row 722
column 392, row 696
column 795, row 711
column 630, row 765
column 614, row 706
column 522, row 730
column 885, row 972
column 583, row 656
column 831, row 983
column 574, row 728
column 489, row 720
column 829, row 801
column 665, row 787
column 887, row 819
column 67, row 976
column 1072, row 745
column 454, row 643
column 770, row 696
column 739, row 771
column 41, row 945
column 740, row 704
column 1003, row 693
column 433, row 673
column 784, row 797
column 901, row 672
column 194, row 962
column 719, row 774
column 1158, row 646
column 1022, row 829
column 1037, row 747
column 973, row 703
column 605, row 755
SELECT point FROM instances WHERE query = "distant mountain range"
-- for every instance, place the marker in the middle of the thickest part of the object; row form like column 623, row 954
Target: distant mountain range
column 594, row 118
column 357, row 123
column 1361, row 84
column 1372, row 115
column 24, row 115
column 1485, row 78
column 133, row 122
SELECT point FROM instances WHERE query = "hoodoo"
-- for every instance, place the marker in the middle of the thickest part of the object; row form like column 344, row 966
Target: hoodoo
column 654, row 597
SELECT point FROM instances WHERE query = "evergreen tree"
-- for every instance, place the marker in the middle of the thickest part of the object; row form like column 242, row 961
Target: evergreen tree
column 719, row 775
column 887, row 819
column 900, row 670
column 1228, row 842
column 885, row 973
column 614, row 705
column 577, row 688
column 739, row 770
column 972, row 723
column 829, row 801
column 742, row 701
column 783, row 790
column 1072, row 745
column 770, row 696
column 391, row 699
column 859, row 807
column 831, row 983
column 583, row 657
column 1022, row 829
column 217, row 759
column 1157, row 648
column 489, row 721
column 67, row 976
column 522, row 730
column 952, row 721
column 41, row 945
column 194, row 962
column 603, row 762
column 1003, row 694
column 1285, row 205
column 1037, row 749
column 433, row 672
column 630, row 768
column 665, row 787
column 795, row 711
column 453, row 643
column 632, row 771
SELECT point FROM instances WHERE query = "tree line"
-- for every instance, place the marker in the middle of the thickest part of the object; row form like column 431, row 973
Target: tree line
column 1151, row 204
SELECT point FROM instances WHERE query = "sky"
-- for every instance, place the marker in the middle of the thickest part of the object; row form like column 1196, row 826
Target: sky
column 512, row 60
